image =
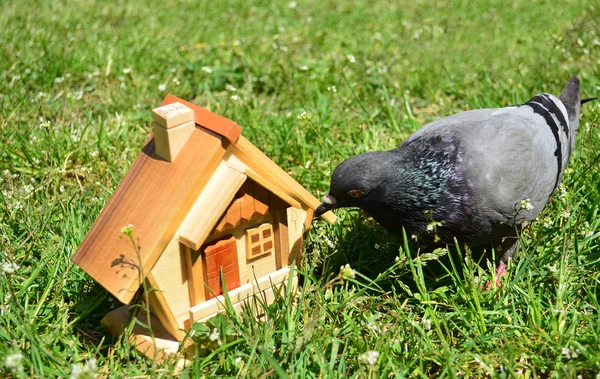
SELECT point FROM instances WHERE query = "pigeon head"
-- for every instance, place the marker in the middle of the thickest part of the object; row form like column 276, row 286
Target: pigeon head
column 357, row 181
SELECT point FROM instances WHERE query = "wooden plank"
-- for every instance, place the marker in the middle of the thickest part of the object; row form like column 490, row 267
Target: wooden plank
column 169, row 142
column 261, row 288
column 158, row 349
column 217, row 304
column 234, row 162
column 282, row 241
column 209, row 120
column 172, row 115
column 154, row 196
column 257, row 161
column 195, row 276
column 210, row 205
column 161, row 309
column 296, row 225
column 171, row 276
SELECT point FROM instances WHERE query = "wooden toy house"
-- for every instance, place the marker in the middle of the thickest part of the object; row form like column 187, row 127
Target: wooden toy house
column 205, row 207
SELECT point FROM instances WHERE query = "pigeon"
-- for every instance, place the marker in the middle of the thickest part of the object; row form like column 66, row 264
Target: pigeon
column 476, row 176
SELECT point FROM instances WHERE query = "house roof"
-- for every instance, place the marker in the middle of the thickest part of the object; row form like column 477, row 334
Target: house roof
column 155, row 197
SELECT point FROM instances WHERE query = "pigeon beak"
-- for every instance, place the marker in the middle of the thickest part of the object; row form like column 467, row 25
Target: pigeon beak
column 329, row 203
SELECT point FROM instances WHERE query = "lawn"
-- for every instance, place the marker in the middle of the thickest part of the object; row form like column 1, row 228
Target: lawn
column 311, row 82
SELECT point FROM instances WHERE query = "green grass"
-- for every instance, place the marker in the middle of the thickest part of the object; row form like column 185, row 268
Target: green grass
column 78, row 80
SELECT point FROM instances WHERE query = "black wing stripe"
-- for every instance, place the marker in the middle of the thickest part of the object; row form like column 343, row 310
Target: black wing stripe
column 551, row 122
column 554, row 109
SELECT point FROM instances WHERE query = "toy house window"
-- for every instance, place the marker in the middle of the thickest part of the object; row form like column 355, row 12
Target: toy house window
column 259, row 241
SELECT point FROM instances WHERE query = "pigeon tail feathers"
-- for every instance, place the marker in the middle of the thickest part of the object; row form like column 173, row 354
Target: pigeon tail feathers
column 571, row 98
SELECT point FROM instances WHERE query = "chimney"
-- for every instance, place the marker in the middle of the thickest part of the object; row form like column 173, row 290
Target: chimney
column 173, row 125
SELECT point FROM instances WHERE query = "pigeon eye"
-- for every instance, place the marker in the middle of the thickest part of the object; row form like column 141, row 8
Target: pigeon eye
column 355, row 194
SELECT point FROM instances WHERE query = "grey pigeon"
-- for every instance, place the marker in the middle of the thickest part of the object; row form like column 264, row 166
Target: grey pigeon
column 475, row 176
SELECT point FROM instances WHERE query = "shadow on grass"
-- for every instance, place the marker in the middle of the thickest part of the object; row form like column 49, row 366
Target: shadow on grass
column 371, row 250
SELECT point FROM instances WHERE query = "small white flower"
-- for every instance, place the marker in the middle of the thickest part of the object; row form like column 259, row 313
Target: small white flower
column 351, row 58
column 36, row 161
column 293, row 5
column 93, row 154
column 62, row 189
column 127, row 230
column 331, row 89
column 346, row 272
column 329, row 242
column 13, row 361
column 127, row 70
column 9, row 267
column 570, row 353
column 302, row 116
column 162, row 87
column 238, row 361
column 235, row 97
column 426, row 323
column 565, row 214
column 75, row 137
column 230, row 88
column 526, row 204
column 304, row 68
column 369, row 357
column 88, row 370
column 60, row 79
column 28, row 188
column 206, row 69
column 18, row 206
column 214, row 335
column 176, row 81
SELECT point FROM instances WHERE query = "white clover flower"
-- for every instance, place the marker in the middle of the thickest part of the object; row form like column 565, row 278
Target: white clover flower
column 162, row 87
column 230, row 88
column 426, row 323
column 9, row 267
column 570, row 353
column 206, row 69
column 526, row 204
column 351, row 58
column 369, row 357
column 214, row 335
column 88, row 370
column 13, row 361
column 304, row 68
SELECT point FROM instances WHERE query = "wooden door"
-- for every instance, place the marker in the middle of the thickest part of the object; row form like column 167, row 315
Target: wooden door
column 221, row 256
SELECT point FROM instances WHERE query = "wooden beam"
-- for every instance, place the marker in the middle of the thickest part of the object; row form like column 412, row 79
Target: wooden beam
column 160, row 308
column 156, row 344
column 155, row 196
column 282, row 240
column 210, row 205
column 270, row 172
column 235, row 163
